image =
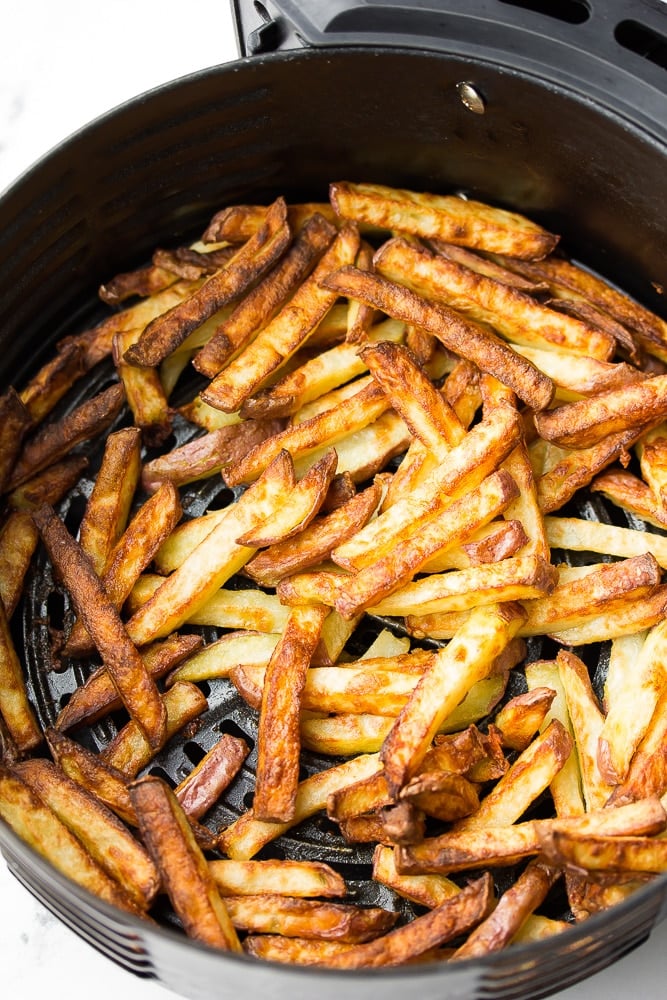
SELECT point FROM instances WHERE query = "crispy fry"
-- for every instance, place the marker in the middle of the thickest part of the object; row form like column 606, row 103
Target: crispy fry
column 50, row 485
column 39, row 827
column 458, row 334
column 15, row 422
column 515, row 315
column 15, row 707
column 451, row 674
column 289, row 329
column 277, row 877
column 263, row 303
column 445, row 217
column 425, row 890
column 182, row 865
column 278, row 743
column 145, row 392
column 521, row 717
column 632, row 494
column 212, row 775
column 18, row 541
column 103, row 835
column 136, row 687
column 615, row 854
column 168, row 331
column 55, row 439
column 308, row 918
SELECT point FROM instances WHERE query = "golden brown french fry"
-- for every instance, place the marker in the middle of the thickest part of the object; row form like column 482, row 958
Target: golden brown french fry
column 107, row 840
column 494, row 542
column 144, row 281
column 15, row 707
column 576, row 375
column 218, row 658
column 145, row 393
column 167, row 331
column 18, row 542
column 278, row 742
column 446, row 217
column 515, row 315
column 321, row 431
column 607, row 854
column 315, row 542
column 37, row 825
column 585, row 422
column 237, row 223
column 183, row 867
column 651, row 450
column 108, row 508
column 451, row 674
column 264, row 301
column 56, row 438
column 427, row 537
column 242, row 839
column 129, row 751
column 425, row 890
column 458, row 334
column 440, row 925
column 89, row 770
column 289, row 329
column 308, row 918
column 135, row 686
column 631, row 494
column 515, row 904
column 277, row 877
column 521, row 717
column 98, row 695
column 152, row 523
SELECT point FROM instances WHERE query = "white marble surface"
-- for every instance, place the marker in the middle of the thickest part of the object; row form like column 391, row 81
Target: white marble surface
column 63, row 63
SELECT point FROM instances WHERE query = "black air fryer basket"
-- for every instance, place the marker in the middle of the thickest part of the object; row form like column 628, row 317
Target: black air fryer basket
column 554, row 108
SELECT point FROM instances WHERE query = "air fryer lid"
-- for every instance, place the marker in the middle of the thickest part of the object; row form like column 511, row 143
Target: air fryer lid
column 580, row 158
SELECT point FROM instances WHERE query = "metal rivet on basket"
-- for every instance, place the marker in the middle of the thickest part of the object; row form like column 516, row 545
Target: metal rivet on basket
column 471, row 97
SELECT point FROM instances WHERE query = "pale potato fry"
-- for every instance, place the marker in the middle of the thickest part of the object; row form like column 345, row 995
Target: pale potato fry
column 277, row 877
column 425, row 890
column 580, row 535
column 632, row 494
column 246, row 609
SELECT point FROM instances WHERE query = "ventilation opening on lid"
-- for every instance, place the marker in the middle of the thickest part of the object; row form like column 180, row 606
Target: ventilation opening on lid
column 643, row 41
column 569, row 11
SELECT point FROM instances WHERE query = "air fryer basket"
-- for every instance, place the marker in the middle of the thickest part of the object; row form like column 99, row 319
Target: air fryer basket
column 567, row 124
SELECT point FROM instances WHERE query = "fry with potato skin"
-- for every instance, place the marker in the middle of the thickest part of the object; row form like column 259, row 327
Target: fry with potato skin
column 308, row 918
column 166, row 332
column 135, row 686
column 15, row 422
column 182, row 865
column 278, row 742
column 18, row 540
column 455, row 916
column 15, row 708
column 452, row 672
column 459, row 335
column 281, row 877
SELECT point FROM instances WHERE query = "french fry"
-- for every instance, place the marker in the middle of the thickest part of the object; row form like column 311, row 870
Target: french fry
column 167, row 331
column 647, row 774
column 246, row 836
column 238, row 609
column 218, row 658
column 182, row 865
column 50, row 485
column 515, row 904
column 144, row 392
column 144, row 281
column 487, row 266
column 87, row 769
column 577, row 375
column 56, row 438
column 513, row 314
column 364, row 453
column 521, row 717
column 264, row 302
column 207, row 455
column 451, row 674
column 151, row 524
column 631, row 494
column 438, row 926
column 18, row 540
column 289, row 329
column 458, row 334
column 237, row 223
column 316, row 542
column 581, row 535
column 15, row 707
column 308, row 918
column 427, row 538
column 278, row 743
column 425, row 890
column 650, row 449
column 108, row 507
column 41, row 829
column 136, row 687
column 629, row 713
column 586, row 422
column 494, row 542
column 204, row 785
column 98, row 695
column 455, row 220
column 277, row 877
column 608, row 854
column 15, row 422
column 321, row 431
column 318, row 375
column 129, row 751
column 100, row 831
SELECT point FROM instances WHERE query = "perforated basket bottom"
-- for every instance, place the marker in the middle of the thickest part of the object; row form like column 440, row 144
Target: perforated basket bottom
column 45, row 612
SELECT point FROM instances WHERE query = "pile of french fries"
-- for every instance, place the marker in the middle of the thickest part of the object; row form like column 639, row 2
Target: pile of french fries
column 406, row 396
